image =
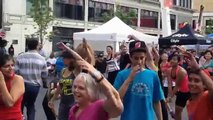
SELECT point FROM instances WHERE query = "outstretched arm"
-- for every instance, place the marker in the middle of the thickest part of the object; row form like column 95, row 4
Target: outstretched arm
column 113, row 104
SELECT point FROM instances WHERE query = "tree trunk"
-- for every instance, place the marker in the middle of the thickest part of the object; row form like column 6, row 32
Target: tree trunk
column 41, row 36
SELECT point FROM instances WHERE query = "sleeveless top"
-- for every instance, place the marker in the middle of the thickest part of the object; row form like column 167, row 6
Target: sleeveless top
column 10, row 113
column 66, row 88
column 184, row 83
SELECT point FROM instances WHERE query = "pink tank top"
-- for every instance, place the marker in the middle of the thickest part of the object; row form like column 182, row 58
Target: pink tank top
column 184, row 83
column 94, row 111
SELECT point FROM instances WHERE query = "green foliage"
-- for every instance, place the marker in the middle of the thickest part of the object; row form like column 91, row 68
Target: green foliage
column 209, row 27
column 125, row 16
column 42, row 16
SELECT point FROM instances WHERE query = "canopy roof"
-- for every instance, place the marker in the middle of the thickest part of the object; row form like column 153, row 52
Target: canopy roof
column 185, row 36
column 113, row 30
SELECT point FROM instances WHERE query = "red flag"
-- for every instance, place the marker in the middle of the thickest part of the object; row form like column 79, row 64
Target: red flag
column 168, row 3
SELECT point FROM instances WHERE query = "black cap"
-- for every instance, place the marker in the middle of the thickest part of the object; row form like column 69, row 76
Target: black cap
column 137, row 46
column 67, row 54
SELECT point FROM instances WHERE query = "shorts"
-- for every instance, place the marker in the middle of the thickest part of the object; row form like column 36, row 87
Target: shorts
column 181, row 98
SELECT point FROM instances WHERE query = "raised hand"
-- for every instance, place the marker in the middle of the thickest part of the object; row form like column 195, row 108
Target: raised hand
column 136, row 69
column 86, row 66
column 132, row 37
column 191, row 60
column 62, row 46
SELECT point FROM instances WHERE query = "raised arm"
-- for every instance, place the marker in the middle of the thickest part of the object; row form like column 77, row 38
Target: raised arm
column 113, row 104
column 17, row 90
column 206, row 79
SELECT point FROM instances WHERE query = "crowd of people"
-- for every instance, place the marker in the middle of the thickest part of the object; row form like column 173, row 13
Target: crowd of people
column 137, row 83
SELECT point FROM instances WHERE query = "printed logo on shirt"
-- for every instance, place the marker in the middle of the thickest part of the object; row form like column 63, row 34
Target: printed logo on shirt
column 140, row 89
column 66, row 85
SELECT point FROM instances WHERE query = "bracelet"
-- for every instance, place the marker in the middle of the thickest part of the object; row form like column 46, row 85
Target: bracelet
column 95, row 74
column 99, row 80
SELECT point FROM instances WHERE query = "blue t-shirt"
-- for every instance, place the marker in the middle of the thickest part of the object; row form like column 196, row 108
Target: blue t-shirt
column 142, row 92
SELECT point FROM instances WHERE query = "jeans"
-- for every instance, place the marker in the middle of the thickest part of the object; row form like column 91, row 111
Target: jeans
column 30, row 95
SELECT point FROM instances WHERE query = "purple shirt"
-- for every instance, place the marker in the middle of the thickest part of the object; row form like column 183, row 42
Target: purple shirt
column 94, row 111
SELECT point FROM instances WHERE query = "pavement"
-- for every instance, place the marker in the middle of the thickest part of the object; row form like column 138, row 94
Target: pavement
column 40, row 115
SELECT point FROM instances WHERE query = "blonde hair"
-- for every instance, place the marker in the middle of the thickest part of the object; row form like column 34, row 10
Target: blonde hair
column 94, row 91
column 86, row 52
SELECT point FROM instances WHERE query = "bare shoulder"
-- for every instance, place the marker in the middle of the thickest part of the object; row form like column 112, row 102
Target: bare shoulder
column 18, row 78
column 182, row 71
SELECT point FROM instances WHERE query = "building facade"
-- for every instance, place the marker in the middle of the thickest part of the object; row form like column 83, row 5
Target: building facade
column 207, row 12
column 70, row 16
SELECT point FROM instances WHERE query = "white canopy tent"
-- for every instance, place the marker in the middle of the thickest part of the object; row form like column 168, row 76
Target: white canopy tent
column 115, row 31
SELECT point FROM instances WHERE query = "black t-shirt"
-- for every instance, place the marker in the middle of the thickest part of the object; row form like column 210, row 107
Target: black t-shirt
column 101, row 65
column 124, row 60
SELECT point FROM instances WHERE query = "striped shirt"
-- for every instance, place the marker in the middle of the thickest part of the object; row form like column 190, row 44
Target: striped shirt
column 32, row 67
column 112, row 65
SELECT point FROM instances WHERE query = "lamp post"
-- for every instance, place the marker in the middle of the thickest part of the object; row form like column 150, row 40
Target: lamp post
column 86, row 4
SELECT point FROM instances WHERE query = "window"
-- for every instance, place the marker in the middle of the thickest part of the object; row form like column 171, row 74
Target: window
column 149, row 19
column 209, row 22
column 180, row 3
column 28, row 6
column 69, row 9
column 44, row 4
column 189, row 4
column 131, row 13
column 174, row 2
column 183, row 3
column 194, row 24
column 173, row 21
column 96, row 9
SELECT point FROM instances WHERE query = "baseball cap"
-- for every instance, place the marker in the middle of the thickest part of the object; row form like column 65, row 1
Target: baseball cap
column 137, row 46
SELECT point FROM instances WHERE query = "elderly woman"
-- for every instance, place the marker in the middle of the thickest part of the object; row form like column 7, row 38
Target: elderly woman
column 11, row 90
column 91, row 102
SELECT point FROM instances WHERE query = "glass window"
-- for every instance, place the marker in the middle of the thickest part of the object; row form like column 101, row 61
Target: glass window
column 209, row 22
column 174, row 2
column 173, row 21
column 149, row 19
column 28, row 6
column 131, row 15
column 190, row 4
column 69, row 9
column 44, row 5
column 184, row 3
column 180, row 2
column 96, row 9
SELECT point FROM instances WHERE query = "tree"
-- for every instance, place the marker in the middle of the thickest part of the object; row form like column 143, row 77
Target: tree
column 209, row 27
column 128, row 17
column 42, row 16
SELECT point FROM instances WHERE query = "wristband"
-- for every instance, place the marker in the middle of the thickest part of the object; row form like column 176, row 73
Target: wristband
column 96, row 74
column 99, row 80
